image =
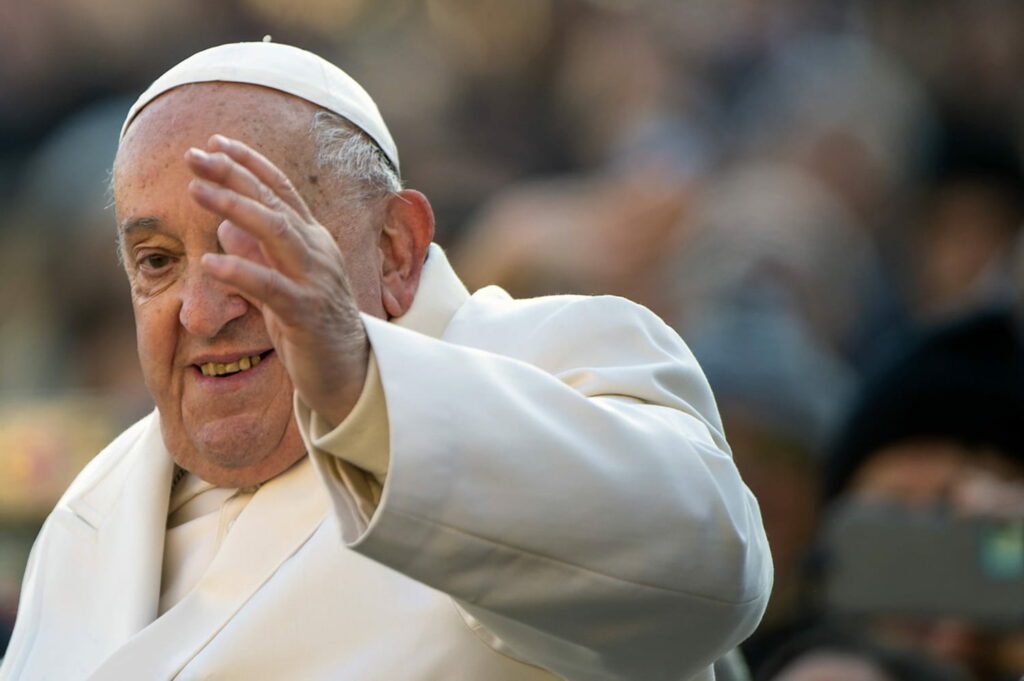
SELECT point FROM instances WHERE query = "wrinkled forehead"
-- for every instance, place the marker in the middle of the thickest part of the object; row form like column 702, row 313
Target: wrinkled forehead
column 264, row 114
column 276, row 124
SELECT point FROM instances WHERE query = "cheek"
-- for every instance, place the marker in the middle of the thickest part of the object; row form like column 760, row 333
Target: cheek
column 155, row 324
column 366, row 289
column 363, row 269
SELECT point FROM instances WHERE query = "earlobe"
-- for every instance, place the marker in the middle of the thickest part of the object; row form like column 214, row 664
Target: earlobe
column 405, row 237
column 391, row 304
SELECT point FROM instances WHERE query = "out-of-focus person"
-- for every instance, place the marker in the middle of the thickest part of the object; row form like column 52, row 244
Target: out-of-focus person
column 926, row 482
column 961, row 221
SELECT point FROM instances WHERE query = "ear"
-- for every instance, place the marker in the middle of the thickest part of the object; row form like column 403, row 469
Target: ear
column 407, row 233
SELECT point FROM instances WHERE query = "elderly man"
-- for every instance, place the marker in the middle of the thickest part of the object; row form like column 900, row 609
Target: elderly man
column 355, row 468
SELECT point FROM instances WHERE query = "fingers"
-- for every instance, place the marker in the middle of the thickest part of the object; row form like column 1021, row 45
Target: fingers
column 236, row 241
column 280, row 242
column 220, row 169
column 262, row 169
column 263, row 285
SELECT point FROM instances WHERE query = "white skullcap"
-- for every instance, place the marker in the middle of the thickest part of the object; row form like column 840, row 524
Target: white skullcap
column 281, row 67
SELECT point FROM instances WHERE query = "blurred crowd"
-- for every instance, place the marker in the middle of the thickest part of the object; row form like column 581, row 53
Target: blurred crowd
column 824, row 197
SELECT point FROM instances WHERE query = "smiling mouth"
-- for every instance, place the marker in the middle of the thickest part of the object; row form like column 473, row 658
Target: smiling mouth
column 231, row 368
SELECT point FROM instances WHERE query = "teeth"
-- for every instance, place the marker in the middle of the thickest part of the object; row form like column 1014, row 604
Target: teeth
column 218, row 369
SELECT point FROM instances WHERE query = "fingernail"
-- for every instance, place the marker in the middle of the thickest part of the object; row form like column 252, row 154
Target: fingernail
column 197, row 154
column 212, row 261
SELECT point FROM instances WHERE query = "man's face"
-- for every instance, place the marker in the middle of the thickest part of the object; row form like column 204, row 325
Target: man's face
column 939, row 473
column 234, row 429
column 934, row 473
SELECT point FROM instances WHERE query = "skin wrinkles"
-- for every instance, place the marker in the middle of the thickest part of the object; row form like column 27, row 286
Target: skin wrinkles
column 188, row 310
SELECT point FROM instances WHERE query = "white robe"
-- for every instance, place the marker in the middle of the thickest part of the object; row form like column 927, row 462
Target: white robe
column 559, row 502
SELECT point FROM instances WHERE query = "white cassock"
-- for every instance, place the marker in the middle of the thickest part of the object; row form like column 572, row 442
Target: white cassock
column 553, row 499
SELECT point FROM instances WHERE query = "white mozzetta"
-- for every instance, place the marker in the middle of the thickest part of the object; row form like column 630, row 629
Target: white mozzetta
column 558, row 502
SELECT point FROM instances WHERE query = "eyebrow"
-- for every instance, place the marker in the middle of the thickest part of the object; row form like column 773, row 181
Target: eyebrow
column 137, row 223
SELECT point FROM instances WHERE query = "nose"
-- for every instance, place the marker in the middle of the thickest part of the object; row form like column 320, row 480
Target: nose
column 207, row 306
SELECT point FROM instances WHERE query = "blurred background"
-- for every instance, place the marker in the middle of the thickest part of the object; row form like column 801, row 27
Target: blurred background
column 824, row 197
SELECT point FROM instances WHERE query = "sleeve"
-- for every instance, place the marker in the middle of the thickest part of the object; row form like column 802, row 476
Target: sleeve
column 352, row 458
column 570, row 488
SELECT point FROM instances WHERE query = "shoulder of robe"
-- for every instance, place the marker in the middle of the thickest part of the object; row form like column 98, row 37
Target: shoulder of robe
column 111, row 458
column 597, row 345
column 553, row 331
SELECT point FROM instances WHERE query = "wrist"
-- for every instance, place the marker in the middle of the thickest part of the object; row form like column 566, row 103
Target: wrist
column 338, row 397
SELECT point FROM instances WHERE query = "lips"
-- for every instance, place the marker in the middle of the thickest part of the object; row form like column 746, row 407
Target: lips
column 229, row 368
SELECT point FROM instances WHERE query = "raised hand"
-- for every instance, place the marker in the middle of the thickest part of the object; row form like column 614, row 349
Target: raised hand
column 286, row 263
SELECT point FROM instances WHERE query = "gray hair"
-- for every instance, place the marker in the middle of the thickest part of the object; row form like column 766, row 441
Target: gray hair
column 348, row 153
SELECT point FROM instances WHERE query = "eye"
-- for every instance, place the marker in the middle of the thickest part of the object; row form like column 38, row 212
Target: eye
column 153, row 263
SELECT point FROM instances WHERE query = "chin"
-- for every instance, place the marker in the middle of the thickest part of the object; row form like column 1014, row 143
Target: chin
column 228, row 442
column 237, row 441
column 237, row 449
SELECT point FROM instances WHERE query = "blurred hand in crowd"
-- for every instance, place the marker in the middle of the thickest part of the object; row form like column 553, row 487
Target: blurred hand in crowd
column 608, row 233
